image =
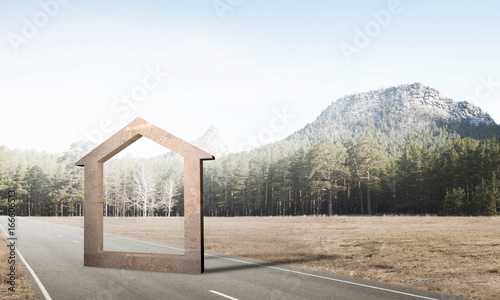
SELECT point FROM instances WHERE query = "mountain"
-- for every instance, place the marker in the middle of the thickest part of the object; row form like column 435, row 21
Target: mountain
column 393, row 116
column 409, row 100
column 212, row 142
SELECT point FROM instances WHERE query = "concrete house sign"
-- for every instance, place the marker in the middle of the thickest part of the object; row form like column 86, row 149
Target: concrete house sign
column 193, row 259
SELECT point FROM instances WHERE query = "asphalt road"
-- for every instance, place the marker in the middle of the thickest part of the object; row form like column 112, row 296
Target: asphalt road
column 55, row 254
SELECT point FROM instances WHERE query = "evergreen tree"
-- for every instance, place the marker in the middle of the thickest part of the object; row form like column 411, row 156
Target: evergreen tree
column 327, row 168
column 366, row 162
column 484, row 202
column 38, row 187
column 453, row 203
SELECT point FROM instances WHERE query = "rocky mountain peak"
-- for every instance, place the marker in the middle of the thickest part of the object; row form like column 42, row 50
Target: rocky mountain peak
column 212, row 142
column 409, row 99
column 395, row 115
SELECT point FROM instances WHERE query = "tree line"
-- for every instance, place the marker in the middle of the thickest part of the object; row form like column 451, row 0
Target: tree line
column 50, row 185
column 355, row 177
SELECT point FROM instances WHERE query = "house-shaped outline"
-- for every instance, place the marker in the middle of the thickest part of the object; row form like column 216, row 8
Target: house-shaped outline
column 193, row 259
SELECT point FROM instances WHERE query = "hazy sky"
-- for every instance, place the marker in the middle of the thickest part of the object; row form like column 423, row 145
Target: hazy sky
column 258, row 70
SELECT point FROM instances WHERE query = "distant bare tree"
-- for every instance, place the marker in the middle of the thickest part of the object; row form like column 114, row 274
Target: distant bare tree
column 145, row 189
column 128, row 202
column 169, row 191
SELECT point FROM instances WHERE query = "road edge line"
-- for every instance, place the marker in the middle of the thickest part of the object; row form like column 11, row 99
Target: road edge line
column 325, row 277
column 291, row 271
column 281, row 269
column 37, row 280
column 222, row 295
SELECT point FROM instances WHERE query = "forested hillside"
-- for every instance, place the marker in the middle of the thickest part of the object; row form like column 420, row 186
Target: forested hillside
column 394, row 116
column 402, row 150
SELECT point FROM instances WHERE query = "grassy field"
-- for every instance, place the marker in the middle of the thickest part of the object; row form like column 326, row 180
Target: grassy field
column 23, row 287
column 452, row 255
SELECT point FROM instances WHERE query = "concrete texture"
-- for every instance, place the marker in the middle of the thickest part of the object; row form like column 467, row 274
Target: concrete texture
column 193, row 259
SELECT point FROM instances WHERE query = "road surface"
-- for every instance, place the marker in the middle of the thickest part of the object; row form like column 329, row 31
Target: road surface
column 55, row 255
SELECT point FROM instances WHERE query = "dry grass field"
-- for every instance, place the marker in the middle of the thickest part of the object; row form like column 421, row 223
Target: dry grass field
column 452, row 255
column 23, row 287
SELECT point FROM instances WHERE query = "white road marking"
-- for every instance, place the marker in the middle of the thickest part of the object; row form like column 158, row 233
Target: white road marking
column 324, row 277
column 223, row 295
column 277, row 268
column 76, row 242
column 286, row 270
column 59, row 235
column 150, row 243
column 37, row 280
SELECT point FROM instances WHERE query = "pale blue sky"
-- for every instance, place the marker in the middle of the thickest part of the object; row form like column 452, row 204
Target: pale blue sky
column 67, row 74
